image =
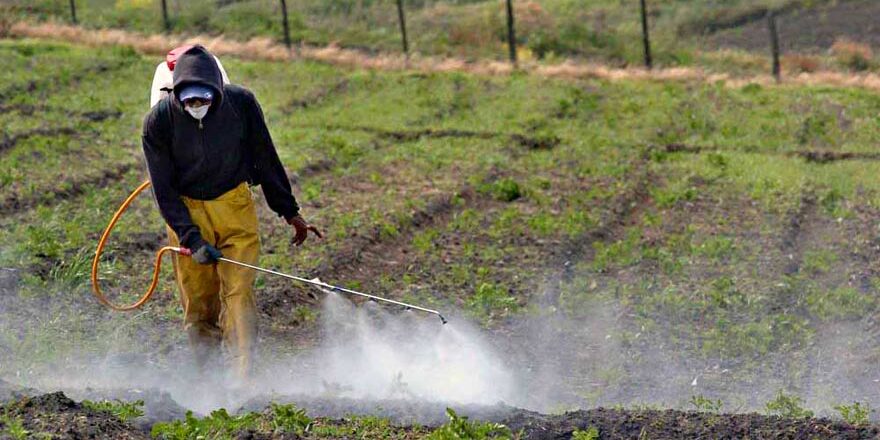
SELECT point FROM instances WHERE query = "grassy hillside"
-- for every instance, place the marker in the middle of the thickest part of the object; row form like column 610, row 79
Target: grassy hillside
column 669, row 231
column 606, row 30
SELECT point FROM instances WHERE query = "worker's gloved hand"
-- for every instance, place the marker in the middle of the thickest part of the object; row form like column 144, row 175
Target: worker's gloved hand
column 302, row 228
column 206, row 254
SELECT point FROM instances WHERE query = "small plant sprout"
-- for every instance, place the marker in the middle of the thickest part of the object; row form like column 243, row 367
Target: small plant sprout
column 704, row 404
column 855, row 414
column 788, row 406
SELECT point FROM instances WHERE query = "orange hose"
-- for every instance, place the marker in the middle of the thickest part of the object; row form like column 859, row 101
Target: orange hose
column 156, row 265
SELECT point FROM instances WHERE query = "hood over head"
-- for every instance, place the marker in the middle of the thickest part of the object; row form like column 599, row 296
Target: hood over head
column 197, row 66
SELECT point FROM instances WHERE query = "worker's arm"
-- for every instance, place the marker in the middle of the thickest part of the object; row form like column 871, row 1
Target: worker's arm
column 270, row 172
column 157, row 151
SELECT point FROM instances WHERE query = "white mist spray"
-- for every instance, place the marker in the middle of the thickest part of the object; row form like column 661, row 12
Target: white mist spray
column 368, row 353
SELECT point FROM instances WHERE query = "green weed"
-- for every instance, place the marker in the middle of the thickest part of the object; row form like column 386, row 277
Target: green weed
column 788, row 406
column 460, row 428
column 818, row 261
column 623, row 252
column 73, row 270
column 289, row 418
column 855, row 414
column 218, row 425
column 489, row 299
column 704, row 404
column 505, row 190
column 590, row 434
column 841, row 302
column 125, row 411
column 13, row 427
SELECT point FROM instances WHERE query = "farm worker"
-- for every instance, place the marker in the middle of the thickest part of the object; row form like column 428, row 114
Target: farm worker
column 205, row 144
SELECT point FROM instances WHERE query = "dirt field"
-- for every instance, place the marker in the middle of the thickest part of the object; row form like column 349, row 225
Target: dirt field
column 809, row 31
column 640, row 244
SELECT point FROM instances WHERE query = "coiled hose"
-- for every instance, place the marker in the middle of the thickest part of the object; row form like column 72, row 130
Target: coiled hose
column 96, row 288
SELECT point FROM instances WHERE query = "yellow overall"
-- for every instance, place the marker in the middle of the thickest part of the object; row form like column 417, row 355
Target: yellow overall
column 218, row 299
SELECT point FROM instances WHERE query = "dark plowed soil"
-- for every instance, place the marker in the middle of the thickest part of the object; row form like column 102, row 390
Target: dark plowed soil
column 56, row 416
column 809, row 30
column 671, row 424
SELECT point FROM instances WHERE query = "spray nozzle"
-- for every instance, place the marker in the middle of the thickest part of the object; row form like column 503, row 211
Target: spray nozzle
column 442, row 319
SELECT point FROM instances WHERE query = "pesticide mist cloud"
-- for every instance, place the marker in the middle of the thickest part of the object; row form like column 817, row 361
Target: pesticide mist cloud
column 367, row 352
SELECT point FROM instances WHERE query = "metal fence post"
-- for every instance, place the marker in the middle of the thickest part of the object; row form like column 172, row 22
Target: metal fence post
column 73, row 11
column 774, row 44
column 165, row 20
column 511, row 32
column 402, row 19
column 285, row 24
column 646, row 39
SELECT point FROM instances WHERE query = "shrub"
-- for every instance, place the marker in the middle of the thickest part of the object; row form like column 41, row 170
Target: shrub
column 853, row 55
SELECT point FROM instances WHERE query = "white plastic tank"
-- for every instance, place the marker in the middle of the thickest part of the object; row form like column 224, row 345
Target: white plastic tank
column 163, row 79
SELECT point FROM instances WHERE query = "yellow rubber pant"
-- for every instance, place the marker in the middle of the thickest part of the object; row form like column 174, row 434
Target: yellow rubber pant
column 218, row 299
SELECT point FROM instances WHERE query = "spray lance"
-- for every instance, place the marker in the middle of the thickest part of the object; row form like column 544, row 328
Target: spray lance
column 186, row 252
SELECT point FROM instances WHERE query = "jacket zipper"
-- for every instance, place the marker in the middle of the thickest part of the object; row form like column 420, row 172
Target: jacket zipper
column 204, row 147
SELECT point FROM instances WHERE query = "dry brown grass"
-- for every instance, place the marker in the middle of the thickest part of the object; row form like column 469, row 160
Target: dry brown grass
column 265, row 49
column 798, row 63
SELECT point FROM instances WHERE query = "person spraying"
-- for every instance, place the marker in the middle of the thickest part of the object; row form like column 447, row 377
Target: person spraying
column 205, row 143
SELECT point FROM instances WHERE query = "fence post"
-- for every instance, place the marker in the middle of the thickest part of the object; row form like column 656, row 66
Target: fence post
column 73, row 10
column 402, row 18
column 165, row 16
column 285, row 24
column 511, row 33
column 646, row 39
column 774, row 44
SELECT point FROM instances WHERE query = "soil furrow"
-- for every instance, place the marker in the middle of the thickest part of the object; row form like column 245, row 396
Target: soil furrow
column 10, row 141
column 50, row 84
column 435, row 209
column 317, row 97
column 74, row 188
column 30, row 109
column 792, row 244
column 414, row 135
column 815, row 156
column 622, row 209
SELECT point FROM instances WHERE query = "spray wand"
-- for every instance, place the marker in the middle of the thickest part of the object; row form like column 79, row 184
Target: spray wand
column 187, row 252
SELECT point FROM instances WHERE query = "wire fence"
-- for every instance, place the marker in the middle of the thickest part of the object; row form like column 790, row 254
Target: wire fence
column 621, row 32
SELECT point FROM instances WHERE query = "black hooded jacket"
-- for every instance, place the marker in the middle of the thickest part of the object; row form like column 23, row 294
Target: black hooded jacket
column 231, row 146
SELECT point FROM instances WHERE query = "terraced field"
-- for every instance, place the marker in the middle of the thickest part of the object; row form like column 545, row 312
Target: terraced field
column 634, row 243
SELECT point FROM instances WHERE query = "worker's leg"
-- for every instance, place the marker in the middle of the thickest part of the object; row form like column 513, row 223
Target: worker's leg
column 199, row 293
column 235, row 218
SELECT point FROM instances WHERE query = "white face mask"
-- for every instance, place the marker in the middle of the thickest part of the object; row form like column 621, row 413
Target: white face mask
column 198, row 112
